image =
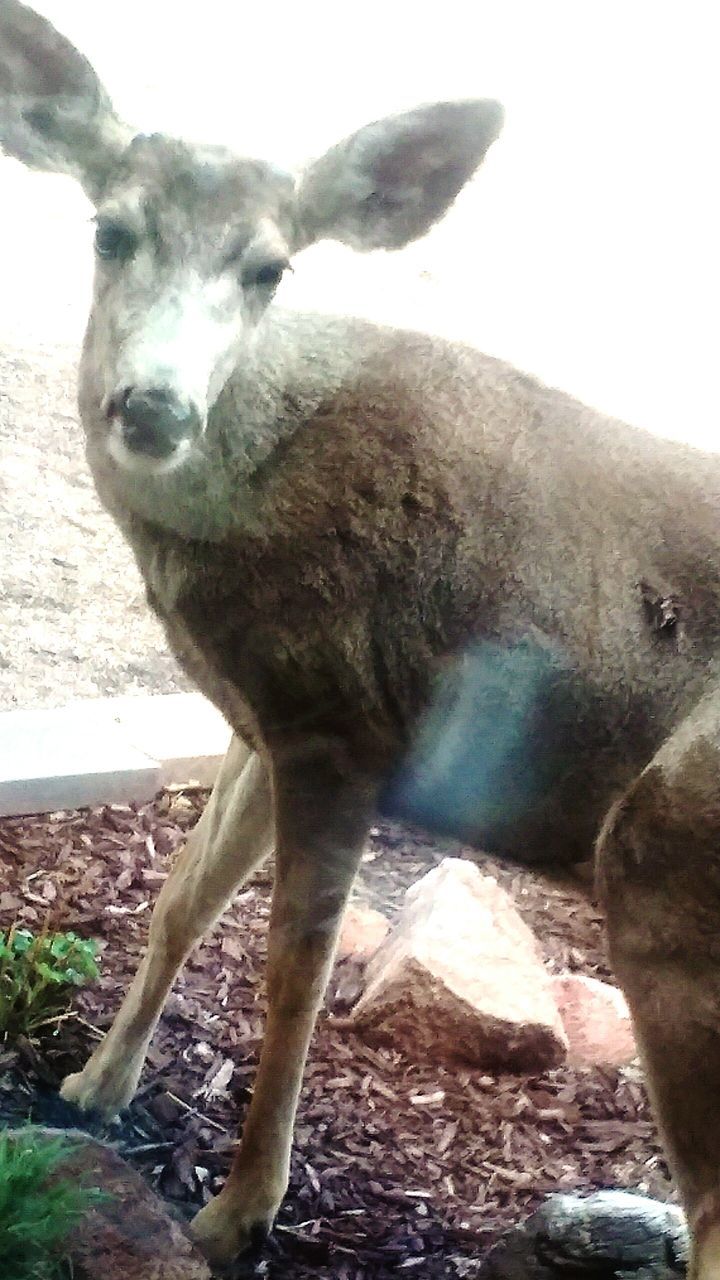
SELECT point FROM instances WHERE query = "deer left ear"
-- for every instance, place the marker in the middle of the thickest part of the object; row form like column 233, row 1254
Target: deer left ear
column 54, row 112
column 388, row 183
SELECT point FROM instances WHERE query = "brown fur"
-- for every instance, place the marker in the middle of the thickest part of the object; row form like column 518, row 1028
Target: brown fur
column 410, row 577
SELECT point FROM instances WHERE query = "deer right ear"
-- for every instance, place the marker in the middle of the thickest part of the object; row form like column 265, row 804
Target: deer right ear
column 388, row 183
column 54, row 112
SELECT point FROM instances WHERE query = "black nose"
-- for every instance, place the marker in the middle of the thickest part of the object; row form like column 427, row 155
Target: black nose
column 155, row 421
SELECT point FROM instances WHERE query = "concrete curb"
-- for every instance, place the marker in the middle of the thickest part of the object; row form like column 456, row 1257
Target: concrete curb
column 107, row 751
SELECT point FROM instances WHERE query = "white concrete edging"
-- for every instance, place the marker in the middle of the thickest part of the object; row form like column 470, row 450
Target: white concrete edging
column 107, row 751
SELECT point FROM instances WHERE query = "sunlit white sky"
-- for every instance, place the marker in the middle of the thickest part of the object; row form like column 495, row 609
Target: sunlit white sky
column 586, row 250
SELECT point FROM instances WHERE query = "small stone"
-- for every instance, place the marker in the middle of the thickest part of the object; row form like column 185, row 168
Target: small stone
column 596, row 1020
column 361, row 933
column 607, row 1234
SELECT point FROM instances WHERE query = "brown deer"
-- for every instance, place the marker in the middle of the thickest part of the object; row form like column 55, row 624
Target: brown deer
column 409, row 576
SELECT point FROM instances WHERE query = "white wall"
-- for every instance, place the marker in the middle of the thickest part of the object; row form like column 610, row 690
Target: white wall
column 586, row 250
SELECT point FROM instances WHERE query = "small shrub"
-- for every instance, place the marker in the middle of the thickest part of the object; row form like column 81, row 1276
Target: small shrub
column 37, row 1212
column 37, row 977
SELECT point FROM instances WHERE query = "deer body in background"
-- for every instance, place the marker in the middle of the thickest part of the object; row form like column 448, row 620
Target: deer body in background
column 411, row 577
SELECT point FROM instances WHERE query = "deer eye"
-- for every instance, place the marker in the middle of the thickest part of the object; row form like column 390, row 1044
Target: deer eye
column 113, row 240
column 268, row 275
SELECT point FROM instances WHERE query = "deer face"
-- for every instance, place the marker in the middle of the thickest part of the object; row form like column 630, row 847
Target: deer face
column 191, row 244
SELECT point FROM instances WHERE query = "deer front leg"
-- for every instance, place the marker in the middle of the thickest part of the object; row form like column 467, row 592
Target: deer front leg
column 659, row 874
column 234, row 834
column 322, row 818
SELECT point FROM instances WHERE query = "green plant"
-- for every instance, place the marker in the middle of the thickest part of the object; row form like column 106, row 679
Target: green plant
column 38, row 1206
column 37, row 976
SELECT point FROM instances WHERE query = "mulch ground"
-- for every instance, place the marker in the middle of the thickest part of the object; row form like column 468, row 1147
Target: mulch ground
column 399, row 1166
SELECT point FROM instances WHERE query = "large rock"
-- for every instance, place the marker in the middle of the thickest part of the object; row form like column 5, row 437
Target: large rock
column 131, row 1236
column 460, row 977
column 596, row 1020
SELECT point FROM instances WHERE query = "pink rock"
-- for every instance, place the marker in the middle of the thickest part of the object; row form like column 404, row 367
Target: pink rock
column 131, row 1236
column 596, row 1020
column 460, row 977
column 361, row 933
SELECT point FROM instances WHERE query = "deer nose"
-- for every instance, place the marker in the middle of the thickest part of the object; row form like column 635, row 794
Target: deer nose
column 155, row 421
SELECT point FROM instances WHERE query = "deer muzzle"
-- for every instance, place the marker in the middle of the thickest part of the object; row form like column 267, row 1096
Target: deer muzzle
column 154, row 422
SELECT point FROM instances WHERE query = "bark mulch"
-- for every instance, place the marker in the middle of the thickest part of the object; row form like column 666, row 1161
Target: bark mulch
column 399, row 1167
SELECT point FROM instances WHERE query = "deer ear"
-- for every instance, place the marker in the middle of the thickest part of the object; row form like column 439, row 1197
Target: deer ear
column 387, row 184
column 54, row 112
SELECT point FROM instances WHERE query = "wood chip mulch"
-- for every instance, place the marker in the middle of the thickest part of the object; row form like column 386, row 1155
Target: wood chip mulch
column 399, row 1167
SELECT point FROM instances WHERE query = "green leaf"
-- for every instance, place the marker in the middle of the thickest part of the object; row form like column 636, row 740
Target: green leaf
column 22, row 941
column 37, row 976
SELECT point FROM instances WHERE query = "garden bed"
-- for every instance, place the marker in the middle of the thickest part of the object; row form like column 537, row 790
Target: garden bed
column 399, row 1167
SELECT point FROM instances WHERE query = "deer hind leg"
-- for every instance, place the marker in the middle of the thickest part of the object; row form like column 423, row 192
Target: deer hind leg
column 235, row 833
column 322, row 815
column 659, row 875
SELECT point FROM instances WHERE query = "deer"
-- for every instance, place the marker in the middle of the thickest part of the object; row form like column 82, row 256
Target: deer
column 413, row 579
